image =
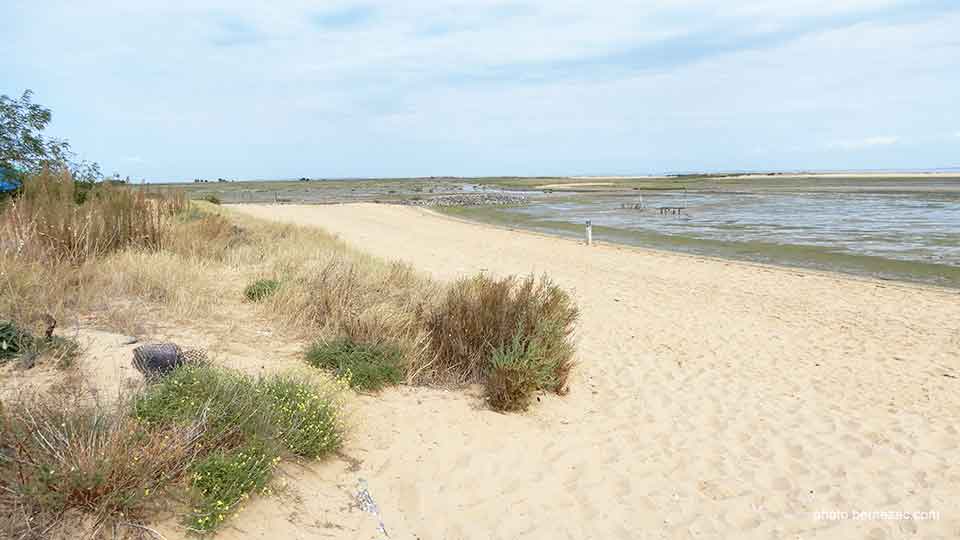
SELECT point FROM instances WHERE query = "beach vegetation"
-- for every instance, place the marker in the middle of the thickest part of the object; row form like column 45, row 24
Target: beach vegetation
column 368, row 367
column 211, row 433
column 261, row 289
column 487, row 326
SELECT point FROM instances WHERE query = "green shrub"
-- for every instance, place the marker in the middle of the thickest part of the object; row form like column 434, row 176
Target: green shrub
column 247, row 423
column 298, row 415
column 224, row 480
column 481, row 315
column 261, row 289
column 512, row 377
column 13, row 340
column 211, row 198
column 16, row 342
column 305, row 418
column 366, row 367
column 225, row 399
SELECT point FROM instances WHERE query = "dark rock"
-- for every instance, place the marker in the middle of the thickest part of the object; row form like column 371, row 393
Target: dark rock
column 157, row 359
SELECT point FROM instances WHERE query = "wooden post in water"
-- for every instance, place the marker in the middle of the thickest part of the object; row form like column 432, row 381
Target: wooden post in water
column 589, row 233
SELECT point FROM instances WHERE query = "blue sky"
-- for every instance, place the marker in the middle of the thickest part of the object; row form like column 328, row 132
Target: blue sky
column 242, row 89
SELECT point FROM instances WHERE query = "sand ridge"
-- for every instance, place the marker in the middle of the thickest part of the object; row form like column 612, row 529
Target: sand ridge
column 714, row 399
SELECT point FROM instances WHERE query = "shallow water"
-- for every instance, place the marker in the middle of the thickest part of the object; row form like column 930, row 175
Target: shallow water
column 900, row 235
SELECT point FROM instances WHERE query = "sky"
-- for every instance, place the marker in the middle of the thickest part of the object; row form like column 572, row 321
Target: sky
column 245, row 89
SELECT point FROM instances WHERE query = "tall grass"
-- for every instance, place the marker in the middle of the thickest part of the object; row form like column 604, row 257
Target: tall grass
column 64, row 462
column 45, row 223
column 48, row 240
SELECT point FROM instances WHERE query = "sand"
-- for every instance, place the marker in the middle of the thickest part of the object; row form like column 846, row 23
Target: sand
column 713, row 399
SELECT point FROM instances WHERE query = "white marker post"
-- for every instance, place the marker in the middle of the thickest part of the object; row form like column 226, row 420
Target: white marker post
column 589, row 233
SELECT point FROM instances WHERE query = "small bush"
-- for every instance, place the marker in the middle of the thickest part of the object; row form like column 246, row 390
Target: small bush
column 300, row 416
column 211, row 198
column 16, row 342
column 303, row 415
column 224, row 480
column 366, row 367
column 481, row 315
column 13, row 340
column 512, row 377
column 247, row 423
column 261, row 289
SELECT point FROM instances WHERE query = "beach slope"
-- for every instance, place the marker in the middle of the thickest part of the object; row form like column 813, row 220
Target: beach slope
column 713, row 399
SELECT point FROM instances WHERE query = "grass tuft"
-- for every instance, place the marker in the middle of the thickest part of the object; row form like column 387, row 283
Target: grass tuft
column 365, row 367
column 261, row 289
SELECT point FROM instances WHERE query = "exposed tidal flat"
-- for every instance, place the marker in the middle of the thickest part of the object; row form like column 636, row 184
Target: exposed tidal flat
column 907, row 229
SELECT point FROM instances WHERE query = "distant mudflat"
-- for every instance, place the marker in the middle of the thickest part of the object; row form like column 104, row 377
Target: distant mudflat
column 714, row 399
column 898, row 228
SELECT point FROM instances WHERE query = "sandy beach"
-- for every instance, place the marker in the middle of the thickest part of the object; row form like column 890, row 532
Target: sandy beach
column 713, row 399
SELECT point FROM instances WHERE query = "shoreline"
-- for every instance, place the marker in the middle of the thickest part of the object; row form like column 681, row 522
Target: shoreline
column 718, row 255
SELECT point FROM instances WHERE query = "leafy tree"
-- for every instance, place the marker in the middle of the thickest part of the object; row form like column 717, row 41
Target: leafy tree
column 23, row 146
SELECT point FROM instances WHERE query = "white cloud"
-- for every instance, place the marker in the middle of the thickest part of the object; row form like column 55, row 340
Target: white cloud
column 868, row 142
column 245, row 88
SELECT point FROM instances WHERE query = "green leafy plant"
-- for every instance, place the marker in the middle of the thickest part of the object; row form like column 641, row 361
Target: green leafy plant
column 366, row 366
column 304, row 417
column 512, row 377
column 222, row 481
column 481, row 315
column 13, row 340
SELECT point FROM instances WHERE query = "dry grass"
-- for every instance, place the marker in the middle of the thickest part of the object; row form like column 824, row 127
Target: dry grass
column 480, row 315
column 70, row 461
column 50, row 245
column 125, row 256
column 46, row 224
